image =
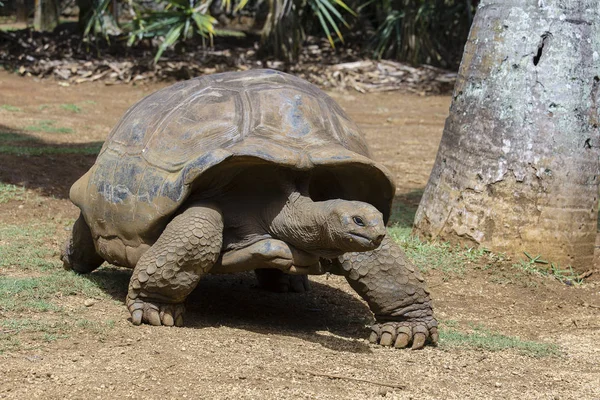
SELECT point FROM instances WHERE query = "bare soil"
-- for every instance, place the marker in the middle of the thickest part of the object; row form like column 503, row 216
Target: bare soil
column 243, row 343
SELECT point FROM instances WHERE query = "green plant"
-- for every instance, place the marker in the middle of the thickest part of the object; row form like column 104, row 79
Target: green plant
column 419, row 31
column 180, row 21
column 14, row 137
column 97, row 21
column 10, row 108
column 440, row 256
column 10, row 192
column 481, row 338
column 535, row 265
column 288, row 20
column 71, row 107
column 48, row 127
column 91, row 149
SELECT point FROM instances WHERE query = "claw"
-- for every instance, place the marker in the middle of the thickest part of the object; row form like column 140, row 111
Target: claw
column 403, row 334
column 155, row 313
column 179, row 320
column 167, row 318
column 386, row 339
column 374, row 337
column 402, row 340
column 136, row 317
column 153, row 317
column 435, row 337
column 418, row 341
column 388, row 335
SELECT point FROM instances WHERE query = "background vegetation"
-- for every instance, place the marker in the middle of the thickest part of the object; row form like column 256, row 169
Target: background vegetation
column 417, row 31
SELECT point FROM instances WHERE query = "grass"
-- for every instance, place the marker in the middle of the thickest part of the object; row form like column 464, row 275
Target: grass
column 32, row 302
column 91, row 149
column 48, row 127
column 481, row 338
column 10, row 108
column 10, row 143
column 10, row 192
column 24, row 247
column 537, row 266
column 36, row 293
column 15, row 331
column 71, row 107
column 440, row 256
column 15, row 137
column 426, row 256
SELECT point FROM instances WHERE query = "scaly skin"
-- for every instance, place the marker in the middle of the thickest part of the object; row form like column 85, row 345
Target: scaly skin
column 396, row 294
column 168, row 272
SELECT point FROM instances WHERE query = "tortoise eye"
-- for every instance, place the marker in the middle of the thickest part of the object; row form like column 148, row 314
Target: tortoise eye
column 358, row 221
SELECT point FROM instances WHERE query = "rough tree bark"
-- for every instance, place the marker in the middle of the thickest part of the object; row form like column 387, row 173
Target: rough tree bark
column 517, row 168
column 45, row 17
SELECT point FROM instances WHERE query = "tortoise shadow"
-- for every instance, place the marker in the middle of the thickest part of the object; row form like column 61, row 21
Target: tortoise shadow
column 51, row 167
column 325, row 315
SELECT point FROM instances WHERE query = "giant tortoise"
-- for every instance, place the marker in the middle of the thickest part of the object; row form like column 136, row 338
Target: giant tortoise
column 255, row 170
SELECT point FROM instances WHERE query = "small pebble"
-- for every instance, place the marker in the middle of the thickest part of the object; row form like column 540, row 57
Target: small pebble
column 89, row 302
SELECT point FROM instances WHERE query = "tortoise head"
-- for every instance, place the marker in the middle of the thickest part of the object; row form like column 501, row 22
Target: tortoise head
column 353, row 225
column 328, row 228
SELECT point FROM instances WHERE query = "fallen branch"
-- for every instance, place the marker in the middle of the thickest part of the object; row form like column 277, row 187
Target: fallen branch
column 350, row 378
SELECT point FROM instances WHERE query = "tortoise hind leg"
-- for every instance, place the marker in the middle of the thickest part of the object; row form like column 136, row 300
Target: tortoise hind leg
column 168, row 272
column 276, row 280
column 79, row 253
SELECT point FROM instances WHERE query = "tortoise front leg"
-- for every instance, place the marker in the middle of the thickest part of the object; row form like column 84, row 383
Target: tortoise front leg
column 396, row 294
column 170, row 270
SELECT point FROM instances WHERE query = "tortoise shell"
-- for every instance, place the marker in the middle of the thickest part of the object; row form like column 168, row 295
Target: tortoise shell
column 183, row 138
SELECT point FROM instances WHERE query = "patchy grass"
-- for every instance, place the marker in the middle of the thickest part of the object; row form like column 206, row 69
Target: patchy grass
column 10, row 108
column 15, row 137
column 71, row 107
column 15, row 333
column 36, row 293
column 48, row 127
column 439, row 256
column 91, row 149
column 10, row 192
column 481, row 338
column 32, row 306
column 24, row 247
column 537, row 266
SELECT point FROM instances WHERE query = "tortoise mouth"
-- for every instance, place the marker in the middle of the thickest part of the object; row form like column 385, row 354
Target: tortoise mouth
column 369, row 243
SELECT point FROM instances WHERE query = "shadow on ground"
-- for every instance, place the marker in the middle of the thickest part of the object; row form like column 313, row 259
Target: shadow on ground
column 404, row 208
column 50, row 168
column 325, row 315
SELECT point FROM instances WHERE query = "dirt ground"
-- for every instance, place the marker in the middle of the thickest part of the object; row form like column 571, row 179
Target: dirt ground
column 243, row 343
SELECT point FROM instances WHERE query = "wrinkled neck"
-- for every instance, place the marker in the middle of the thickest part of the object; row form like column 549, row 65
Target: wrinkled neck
column 302, row 222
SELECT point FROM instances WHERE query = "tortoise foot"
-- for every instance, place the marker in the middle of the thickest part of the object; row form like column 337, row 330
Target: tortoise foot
column 155, row 313
column 275, row 280
column 403, row 334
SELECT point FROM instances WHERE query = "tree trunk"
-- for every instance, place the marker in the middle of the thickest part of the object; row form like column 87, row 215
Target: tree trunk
column 22, row 12
column 46, row 15
column 517, row 168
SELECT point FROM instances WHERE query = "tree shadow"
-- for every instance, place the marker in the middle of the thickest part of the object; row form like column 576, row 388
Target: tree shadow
column 324, row 315
column 405, row 208
column 49, row 168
